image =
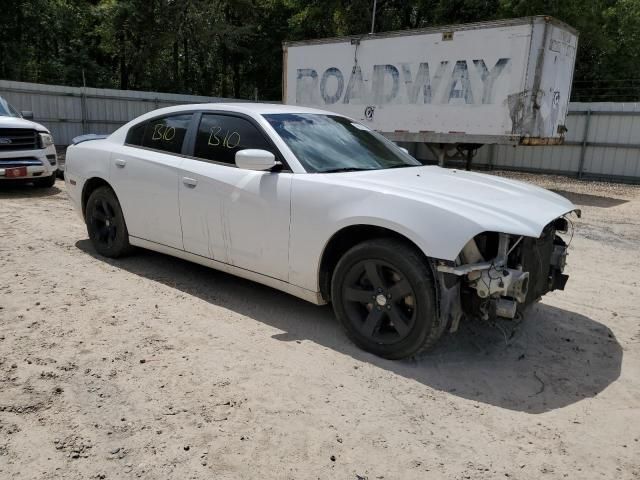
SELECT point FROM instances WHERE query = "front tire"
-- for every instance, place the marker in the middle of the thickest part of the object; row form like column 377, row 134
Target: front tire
column 383, row 294
column 46, row 182
column 105, row 224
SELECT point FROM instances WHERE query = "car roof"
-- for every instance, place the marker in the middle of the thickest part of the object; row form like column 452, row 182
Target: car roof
column 245, row 107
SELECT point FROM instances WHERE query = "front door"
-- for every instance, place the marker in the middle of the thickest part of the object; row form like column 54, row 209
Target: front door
column 235, row 216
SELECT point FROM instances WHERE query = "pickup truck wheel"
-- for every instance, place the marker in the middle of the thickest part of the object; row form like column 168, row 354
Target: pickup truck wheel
column 105, row 224
column 383, row 294
column 46, row 182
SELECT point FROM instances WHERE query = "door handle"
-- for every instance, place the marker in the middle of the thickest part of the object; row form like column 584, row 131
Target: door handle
column 189, row 182
column 120, row 163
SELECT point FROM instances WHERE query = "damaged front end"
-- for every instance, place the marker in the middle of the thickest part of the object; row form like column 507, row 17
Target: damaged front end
column 497, row 274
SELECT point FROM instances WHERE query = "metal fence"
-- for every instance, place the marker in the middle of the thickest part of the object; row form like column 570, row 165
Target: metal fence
column 602, row 142
column 71, row 111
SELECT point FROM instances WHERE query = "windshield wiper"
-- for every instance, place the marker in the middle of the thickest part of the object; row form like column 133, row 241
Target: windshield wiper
column 403, row 165
column 345, row 169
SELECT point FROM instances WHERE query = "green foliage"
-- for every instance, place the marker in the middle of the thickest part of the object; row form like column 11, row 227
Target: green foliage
column 234, row 47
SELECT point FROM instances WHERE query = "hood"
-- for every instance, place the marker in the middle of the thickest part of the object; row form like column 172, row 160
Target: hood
column 16, row 122
column 493, row 203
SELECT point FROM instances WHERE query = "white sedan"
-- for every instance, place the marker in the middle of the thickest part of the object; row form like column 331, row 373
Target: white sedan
column 319, row 206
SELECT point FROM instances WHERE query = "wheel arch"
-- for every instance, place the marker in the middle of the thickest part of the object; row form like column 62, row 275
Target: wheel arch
column 89, row 187
column 346, row 238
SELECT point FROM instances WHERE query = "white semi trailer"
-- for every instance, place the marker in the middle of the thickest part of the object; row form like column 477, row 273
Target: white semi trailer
column 453, row 87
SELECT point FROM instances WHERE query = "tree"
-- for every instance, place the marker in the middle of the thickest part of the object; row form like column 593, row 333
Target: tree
column 234, row 47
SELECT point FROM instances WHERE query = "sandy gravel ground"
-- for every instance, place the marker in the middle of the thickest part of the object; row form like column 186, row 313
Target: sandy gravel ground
column 151, row 367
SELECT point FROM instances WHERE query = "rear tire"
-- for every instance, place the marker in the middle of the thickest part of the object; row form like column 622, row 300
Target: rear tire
column 383, row 294
column 46, row 182
column 105, row 224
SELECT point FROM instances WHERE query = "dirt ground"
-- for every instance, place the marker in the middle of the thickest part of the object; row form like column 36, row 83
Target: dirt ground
column 152, row 367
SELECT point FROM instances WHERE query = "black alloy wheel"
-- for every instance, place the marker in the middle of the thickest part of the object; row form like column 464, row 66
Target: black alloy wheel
column 105, row 224
column 379, row 301
column 383, row 293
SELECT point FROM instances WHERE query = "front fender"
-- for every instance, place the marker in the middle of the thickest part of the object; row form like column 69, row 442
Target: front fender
column 319, row 211
column 439, row 223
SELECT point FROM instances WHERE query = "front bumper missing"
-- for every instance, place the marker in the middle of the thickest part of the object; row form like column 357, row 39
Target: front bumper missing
column 522, row 270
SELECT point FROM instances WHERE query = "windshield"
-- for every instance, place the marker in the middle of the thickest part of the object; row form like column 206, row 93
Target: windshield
column 330, row 143
column 6, row 110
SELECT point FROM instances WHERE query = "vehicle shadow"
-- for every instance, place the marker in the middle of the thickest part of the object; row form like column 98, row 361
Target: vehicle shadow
column 26, row 190
column 588, row 200
column 551, row 359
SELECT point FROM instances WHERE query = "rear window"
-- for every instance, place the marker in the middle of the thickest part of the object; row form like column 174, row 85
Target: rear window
column 164, row 133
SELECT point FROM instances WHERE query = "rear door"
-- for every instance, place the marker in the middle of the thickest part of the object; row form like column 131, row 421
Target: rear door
column 144, row 174
column 235, row 216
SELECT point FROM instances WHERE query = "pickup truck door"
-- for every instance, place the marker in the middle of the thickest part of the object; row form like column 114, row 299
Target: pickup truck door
column 144, row 175
column 239, row 217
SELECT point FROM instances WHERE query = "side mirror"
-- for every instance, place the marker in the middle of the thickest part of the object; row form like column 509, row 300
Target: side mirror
column 27, row 114
column 254, row 159
column 404, row 150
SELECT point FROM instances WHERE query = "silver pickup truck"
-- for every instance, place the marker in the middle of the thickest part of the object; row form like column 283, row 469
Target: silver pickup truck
column 27, row 152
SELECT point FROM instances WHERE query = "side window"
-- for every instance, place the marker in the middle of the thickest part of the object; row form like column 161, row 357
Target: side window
column 221, row 136
column 165, row 133
column 135, row 134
